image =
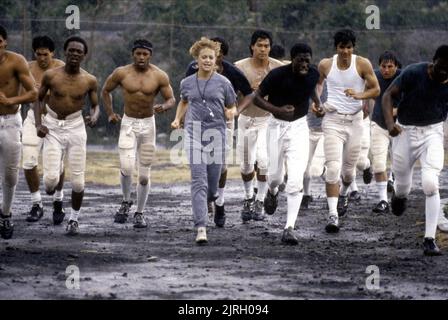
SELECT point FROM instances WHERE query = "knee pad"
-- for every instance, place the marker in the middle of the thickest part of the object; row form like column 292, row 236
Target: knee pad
column 430, row 183
column 378, row 166
column 333, row 172
column 348, row 175
column 247, row 168
column 262, row 166
column 77, row 180
column 144, row 175
column 402, row 190
column 11, row 177
column 51, row 180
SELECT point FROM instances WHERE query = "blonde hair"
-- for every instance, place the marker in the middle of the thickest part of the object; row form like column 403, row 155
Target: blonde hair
column 202, row 44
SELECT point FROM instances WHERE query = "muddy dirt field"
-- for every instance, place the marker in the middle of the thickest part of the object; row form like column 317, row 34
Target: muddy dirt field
column 241, row 261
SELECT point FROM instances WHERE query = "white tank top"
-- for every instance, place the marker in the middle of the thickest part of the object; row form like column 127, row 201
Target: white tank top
column 340, row 80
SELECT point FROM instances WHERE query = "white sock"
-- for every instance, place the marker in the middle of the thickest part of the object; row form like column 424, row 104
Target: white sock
column 382, row 190
column 58, row 195
column 344, row 189
column 256, row 183
column 74, row 215
column 333, row 206
column 307, row 186
column 220, row 200
column 8, row 195
column 294, row 201
column 142, row 196
column 36, row 198
column 248, row 189
column 262, row 188
column 126, row 182
column 391, row 178
column 432, row 208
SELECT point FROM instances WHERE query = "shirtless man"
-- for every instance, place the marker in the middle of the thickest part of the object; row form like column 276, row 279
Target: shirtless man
column 252, row 126
column 140, row 81
column 63, row 126
column 13, row 73
column 350, row 79
column 43, row 48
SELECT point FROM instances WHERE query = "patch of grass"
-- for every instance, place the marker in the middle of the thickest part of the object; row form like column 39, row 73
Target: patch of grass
column 104, row 168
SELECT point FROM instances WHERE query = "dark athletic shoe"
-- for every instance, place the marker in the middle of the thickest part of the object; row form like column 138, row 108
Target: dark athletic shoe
column 258, row 214
column 36, row 213
column 354, row 196
column 332, row 225
column 306, row 200
column 289, row 237
column 430, row 247
column 58, row 212
column 367, row 176
column 72, row 228
column 6, row 226
column 220, row 216
column 246, row 214
column 342, row 205
column 398, row 205
column 381, row 207
column 270, row 202
column 139, row 221
column 121, row 216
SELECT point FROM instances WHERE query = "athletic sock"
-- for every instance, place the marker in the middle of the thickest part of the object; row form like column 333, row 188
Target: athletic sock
column 142, row 196
column 333, row 206
column 248, row 189
column 294, row 201
column 36, row 198
column 74, row 215
column 344, row 189
column 8, row 195
column 126, row 182
column 307, row 186
column 58, row 195
column 382, row 190
column 432, row 207
column 262, row 188
column 220, row 200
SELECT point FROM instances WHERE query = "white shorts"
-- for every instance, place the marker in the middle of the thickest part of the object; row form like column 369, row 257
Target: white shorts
column 316, row 156
column 418, row 143
column 380, row 141
column 137, row 142
column 287, row 143
column 251, row 143
column 342, row 145
column 10, row 148
column 65, row 139
column 31, row 143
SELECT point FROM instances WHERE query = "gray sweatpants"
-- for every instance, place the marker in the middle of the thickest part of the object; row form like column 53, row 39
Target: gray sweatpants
column 204, row 187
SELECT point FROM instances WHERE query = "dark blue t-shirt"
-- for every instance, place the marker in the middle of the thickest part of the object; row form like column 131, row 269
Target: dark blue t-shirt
column 284, row 87
column 232, row 73
column 423, row 101
column 377, row 114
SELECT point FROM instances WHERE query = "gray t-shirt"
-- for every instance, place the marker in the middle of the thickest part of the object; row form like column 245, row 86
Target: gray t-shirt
column 206, row 102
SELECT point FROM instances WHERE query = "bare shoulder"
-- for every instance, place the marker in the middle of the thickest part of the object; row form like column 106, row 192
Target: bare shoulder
column 89, row 77
column 17, row 59
column 50, row 73
column 58, row 63
column 325, row 65
column 364, row 63
column 161, row 75
column 275, row 63
column 242, row 62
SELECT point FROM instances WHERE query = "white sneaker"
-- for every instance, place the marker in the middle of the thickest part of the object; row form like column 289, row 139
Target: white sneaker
column 202, row 235
column 442, row 223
